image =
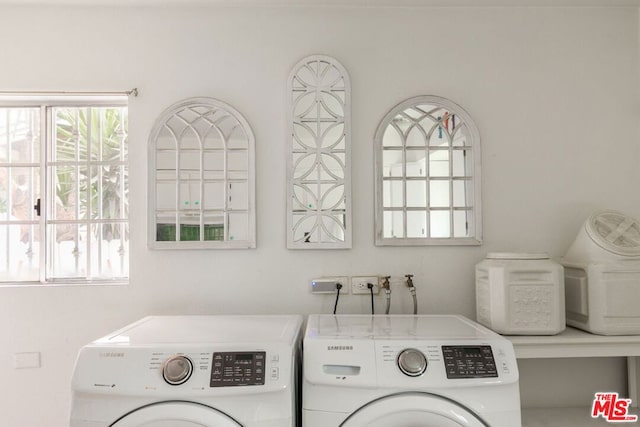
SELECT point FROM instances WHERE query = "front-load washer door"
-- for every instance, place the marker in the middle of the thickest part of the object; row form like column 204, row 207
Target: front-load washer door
column 413, row 410
column 176, row 414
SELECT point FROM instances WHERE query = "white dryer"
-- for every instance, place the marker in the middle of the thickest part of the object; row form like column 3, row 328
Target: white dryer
column 407, row 371
column 186, row 371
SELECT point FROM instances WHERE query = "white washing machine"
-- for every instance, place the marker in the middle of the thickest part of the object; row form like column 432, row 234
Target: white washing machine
column 407, row 371
column 186, row 371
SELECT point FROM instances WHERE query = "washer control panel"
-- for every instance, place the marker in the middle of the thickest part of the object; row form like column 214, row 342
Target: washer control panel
column 238, row 369
column 464, row 361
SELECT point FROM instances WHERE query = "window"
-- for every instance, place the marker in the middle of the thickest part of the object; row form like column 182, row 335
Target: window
column 201, row 178
column 64, row 190
column 428, row 175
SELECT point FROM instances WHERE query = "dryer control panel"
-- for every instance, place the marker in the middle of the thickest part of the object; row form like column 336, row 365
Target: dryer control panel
column 238, row 368
column 469, row 361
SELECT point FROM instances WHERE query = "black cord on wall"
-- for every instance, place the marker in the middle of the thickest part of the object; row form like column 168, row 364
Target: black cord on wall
column 370, row 286
column 338, row 287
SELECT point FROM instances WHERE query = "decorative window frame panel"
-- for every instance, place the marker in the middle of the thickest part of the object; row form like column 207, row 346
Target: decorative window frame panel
column 337, row 150
column 474, row 205
column 215, row 114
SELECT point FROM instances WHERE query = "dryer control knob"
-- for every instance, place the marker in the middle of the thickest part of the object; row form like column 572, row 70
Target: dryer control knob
column 412, row 362
column 176, row 370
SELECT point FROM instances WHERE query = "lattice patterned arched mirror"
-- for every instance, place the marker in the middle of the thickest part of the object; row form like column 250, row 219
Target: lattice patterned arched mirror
column 319, row 163
column 201, row 178
column 428, row 177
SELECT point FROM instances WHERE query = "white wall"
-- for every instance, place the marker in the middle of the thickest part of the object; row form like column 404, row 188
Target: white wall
column 553, row 91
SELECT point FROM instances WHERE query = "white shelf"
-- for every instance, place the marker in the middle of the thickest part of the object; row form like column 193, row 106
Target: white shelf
column 576, row 343
column 563, row 417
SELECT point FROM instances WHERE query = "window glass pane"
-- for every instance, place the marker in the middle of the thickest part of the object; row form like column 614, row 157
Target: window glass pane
column 4, row 194
column 416, row 163
column 416, row 138
column 165, row 230
column 190, row 195
column 214, row 226
column 462, row 194
column 238, row 160
column 213, row 195
column 190, row 161
column 332, row 197
column 20, row 135
column 166, row 140
column 438, row 163
column 114, row 188
column 166, row 194
column 460, row 138
column 392, row 163
column 214, row 160
column 461, row 221
column 392, row 194
column 68, row 253
column 461, row 164
column 166, row 160
column 70, row 139
column 392, row 137
column 440, row 226
column 333, row 227
column 20, row 253
column 439, row 137
column 237, row 138
column 439, row 194
column 417, row 194
column 305, row 229
column 19, row 190
column 190, row 227
column 110, row 250
column 393, row 224
column 417, row 224
column 238, row 226
column 111, row 133
column 74, row 199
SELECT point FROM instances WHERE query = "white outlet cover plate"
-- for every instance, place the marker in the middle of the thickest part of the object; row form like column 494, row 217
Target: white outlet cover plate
column 359, row 285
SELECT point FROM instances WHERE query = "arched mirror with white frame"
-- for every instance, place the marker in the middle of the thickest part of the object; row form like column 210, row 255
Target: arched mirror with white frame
column 201, row 178
column 318, row 162
column 428, row 175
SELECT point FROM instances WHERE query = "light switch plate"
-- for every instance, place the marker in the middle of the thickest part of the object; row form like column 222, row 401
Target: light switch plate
column 26, row 360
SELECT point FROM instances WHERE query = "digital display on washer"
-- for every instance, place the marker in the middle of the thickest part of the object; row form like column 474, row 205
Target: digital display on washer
column 463, row 361
column 237, row 368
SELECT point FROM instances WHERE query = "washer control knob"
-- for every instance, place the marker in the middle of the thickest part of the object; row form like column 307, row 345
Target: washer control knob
column 176, row 370
column 412, row 362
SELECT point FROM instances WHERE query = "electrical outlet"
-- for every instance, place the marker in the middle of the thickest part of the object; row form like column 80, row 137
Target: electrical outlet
column 359, row 285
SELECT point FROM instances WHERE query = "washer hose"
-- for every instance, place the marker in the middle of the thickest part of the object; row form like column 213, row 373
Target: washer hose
column 387, row 295
column 415, row 300
column 412, row 289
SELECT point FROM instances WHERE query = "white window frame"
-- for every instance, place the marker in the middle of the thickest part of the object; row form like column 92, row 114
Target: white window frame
column 227, row 112
column 47, row 103
column 474, row 181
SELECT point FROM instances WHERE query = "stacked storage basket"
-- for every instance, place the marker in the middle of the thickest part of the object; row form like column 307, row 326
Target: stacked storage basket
column 602, row 275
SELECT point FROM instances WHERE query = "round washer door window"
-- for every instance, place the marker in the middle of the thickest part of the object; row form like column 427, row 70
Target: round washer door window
column 176, row 414
column 413, row 410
